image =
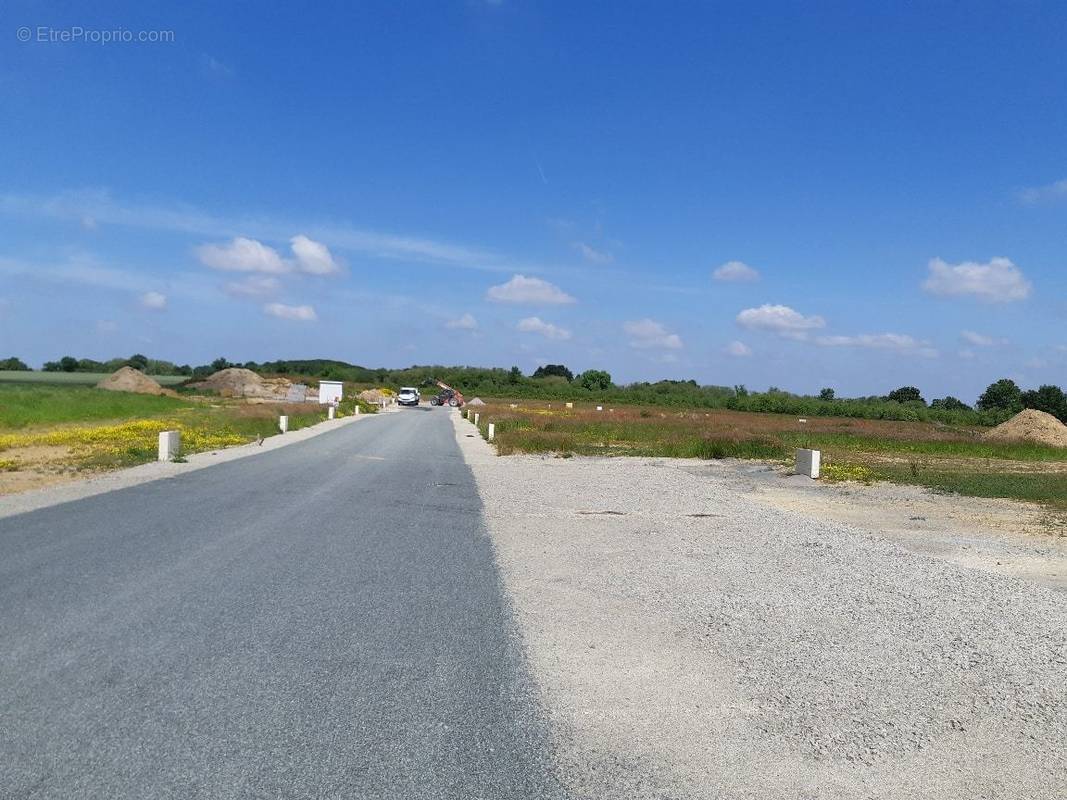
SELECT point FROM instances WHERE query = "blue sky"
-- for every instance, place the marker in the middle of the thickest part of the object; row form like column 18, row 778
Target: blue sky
column 832, row 195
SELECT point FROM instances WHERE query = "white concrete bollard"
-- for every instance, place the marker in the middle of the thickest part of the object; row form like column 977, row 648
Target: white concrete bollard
column 356, row 410
column 600, row 408
column 492, row 431
column 331, row 412
column 513, row 405
column 570, row 405
column 283, row 423
column 170, row 444
column 476, row 419
column 808, row 462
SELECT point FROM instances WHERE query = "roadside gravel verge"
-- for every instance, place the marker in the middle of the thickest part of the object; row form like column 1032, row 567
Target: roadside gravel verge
column 689, row 641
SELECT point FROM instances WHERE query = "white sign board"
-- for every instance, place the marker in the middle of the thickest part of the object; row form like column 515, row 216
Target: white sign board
column 330, row 392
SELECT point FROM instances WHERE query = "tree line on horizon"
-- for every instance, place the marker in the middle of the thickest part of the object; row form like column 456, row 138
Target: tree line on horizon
column 1000, row 400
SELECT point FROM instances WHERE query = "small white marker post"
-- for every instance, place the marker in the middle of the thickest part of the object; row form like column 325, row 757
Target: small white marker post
column 356, row 411
column 283, row 423
column 808, row 462
column 331, row 412
column 570, row 405
column 492, row 431
column 600, row 408
column 476, row 419
column 170, row 444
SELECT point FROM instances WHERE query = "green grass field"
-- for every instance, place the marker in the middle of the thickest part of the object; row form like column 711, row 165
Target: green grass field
column 56, row 426
column 26, row 405
column 69, row 378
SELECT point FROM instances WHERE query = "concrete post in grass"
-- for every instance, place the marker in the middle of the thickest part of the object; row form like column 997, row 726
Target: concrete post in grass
column 600, row 408
column 170, row 445
column 808, row 462
column 492, row 431
column 476, row 419
column 283, row 423
column 570, row 405
column 331, row 412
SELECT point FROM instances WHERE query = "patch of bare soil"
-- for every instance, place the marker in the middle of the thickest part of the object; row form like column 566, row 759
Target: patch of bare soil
column 36, row 467
column 1006, row 537
column 1031, row 425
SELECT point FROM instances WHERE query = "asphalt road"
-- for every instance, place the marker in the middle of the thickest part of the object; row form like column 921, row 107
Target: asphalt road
column 323, row 620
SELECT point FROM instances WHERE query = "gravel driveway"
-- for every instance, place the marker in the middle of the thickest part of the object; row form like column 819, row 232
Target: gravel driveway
column 688, row 641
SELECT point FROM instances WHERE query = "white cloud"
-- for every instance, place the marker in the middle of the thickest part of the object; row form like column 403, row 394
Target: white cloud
column 313, row 257
column 647, row 333
column 899, row 342
column 211, row 66
column 980, row 340
column 282, row 311
column 253, row 286
column 738, row 349
column 242, row 255
column 546, row 329
column 464, row 323
column 105, row 210
column 779, row 319
column 735, row 272
column 592, row 255
column 532, row 291
column 996, row 281
column 154, row 301
column 1040, row 194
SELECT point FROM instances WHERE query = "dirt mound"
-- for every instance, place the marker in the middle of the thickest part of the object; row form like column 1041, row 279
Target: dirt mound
column 238, row 382
column 372, row 396
column 1031, row 425
column 477, row 401
column 128, row 379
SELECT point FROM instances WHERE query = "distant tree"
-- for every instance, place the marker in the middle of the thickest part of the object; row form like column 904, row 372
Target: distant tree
column 949, row 403
column 906, row 394
column 1048, row 398
column 184, row 369
column 220, row 363
column 515, row 376
column 1004, row 395
column 51, row 366
column 548, row 370
column 13, row 364
column 68, row 364
column 595, row 380
column 138, row 361
column 740, row 390
column 826, row 394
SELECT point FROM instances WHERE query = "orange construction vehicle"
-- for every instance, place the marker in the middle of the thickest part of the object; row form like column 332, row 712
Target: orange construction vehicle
column 447, row 396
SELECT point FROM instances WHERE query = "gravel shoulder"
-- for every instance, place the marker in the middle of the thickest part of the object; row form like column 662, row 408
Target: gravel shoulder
column 690, row 639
